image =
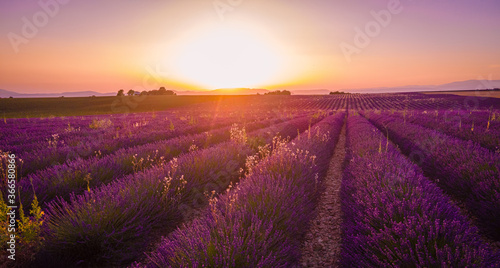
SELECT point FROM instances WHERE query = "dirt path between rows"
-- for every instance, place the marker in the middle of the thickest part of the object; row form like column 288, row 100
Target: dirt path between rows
column 323, row 240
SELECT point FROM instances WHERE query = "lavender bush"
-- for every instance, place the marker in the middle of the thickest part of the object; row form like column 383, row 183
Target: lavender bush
column 481, row 127
column 111, row 224
column 81, row 174
column 464, row 169
column 261, row 222
column 395, row 217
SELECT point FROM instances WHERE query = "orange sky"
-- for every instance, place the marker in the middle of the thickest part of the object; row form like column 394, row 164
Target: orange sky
column 296, row 44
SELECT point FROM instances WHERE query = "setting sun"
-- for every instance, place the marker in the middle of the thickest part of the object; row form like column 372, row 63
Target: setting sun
column 226, row 58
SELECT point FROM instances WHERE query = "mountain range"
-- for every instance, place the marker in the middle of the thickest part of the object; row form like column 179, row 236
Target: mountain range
column 454, row 86
column 7, row 94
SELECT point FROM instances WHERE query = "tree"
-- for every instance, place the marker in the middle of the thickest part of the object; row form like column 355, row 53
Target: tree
column 120, row 93
column 162, row 91
column 277, row 92
column 336, row 92
column 131, row 92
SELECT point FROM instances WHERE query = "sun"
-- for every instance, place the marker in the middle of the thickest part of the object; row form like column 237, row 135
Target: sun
column 227, row 58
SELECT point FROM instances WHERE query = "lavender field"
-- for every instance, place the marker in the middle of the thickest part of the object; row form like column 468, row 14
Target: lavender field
column 347, row 180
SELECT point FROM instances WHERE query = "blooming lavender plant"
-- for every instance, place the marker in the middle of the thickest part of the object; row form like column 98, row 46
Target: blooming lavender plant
column 54, row 151
column 482, row 127
column 261, row 222
column 395, row 217
column 62, row 180
column 112, row 223
column 464, row 169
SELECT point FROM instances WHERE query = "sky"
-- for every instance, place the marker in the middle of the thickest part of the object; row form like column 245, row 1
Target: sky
column 107, row 45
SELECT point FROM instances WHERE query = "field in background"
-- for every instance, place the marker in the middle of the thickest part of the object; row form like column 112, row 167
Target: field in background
column 471, row 93
column 46, row 107
column 49, row 107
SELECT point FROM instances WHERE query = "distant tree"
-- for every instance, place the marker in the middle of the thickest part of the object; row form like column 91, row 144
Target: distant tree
column 120, row 93
column 161, row 91
column 131, row 92
column 277, row 92
column 336, row 92
column 11, row 97
column 496, row 89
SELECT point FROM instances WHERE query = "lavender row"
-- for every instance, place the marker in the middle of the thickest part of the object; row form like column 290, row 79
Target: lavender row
column 112, row 224
column 78, row 175
column 22, row 131
column 261, row 222
column 102, row 145
column 394, row 216
column 127, row 127
column 481, row 127
column 464, row 169
column 103, row 133
column 74, row 136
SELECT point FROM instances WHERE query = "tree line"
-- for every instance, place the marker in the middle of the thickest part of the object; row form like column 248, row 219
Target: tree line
column 277, row 92
column 161, row 91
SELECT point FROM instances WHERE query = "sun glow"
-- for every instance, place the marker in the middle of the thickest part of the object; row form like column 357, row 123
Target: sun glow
column 228, row 58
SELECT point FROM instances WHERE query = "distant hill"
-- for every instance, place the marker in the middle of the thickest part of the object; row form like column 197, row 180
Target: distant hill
column 225, row 91
column 87, row 94
column 7, row 94
column 238, row 91
column 311, row 92
column 251, row 91
column 454, row 86
column 469, row 85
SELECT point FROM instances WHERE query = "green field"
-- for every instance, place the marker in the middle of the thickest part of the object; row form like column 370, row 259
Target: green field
column 46, row 107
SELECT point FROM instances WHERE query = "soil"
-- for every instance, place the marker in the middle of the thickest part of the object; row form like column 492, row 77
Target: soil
column 323, row 241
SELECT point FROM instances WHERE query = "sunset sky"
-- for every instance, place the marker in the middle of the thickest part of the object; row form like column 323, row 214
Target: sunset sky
column 108, row 45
